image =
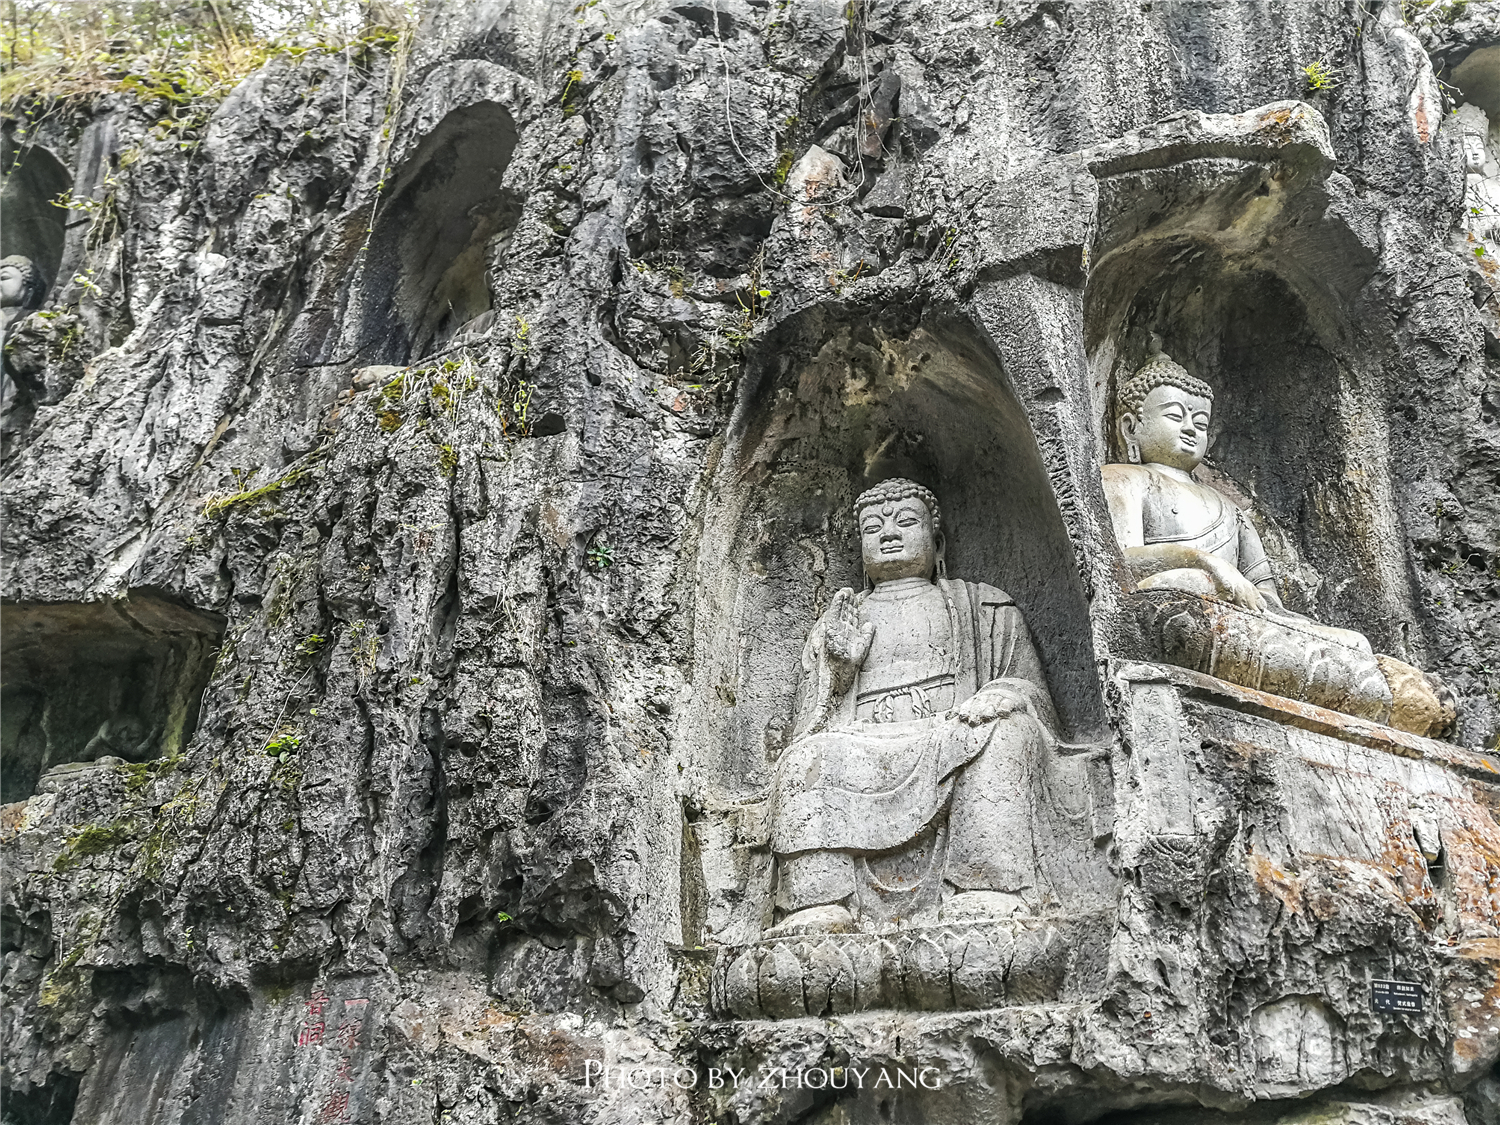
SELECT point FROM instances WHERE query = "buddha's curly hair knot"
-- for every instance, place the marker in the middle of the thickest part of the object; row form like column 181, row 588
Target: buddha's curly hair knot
column 897, row 489
column 1161, row 370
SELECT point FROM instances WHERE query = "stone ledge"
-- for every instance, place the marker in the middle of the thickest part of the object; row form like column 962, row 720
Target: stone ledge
column 1320, row 720
column 1285, row 130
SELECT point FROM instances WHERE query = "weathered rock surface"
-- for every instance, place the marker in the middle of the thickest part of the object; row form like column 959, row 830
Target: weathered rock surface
column 500, row 399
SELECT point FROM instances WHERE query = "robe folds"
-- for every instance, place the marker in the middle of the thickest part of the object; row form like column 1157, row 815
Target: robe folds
column 864, row 788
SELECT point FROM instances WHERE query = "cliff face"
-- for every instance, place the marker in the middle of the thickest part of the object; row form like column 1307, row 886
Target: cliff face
column 423, row 471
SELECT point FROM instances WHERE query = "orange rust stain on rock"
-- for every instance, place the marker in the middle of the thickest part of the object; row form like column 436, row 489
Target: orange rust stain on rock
column 1408, row 869
column 1476, row 1022
column 1275, row 126
column 1421, row 118
column 1281, row 116
column 1285, row 887
column 11, row 818
column 1472, row 845
column 554, row 1048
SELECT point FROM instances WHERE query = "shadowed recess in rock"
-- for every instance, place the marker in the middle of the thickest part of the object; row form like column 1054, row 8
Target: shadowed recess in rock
column 89, row 680
column 425, row 267
column 34, row 226
column 49, row 1104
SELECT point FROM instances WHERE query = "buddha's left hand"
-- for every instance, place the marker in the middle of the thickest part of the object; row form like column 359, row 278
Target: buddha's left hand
column 993, row 701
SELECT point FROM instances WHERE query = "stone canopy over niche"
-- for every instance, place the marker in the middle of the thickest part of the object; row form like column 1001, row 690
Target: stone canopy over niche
column 426, row 265
column 85, row 680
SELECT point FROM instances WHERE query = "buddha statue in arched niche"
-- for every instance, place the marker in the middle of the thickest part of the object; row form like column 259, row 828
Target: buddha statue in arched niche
column 924, row 781
column 1185, row 538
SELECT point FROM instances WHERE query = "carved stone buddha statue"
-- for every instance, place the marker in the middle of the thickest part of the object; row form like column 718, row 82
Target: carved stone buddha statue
column 21, row 287
column 1182, row 535
column 21, row 292
column 1481, row 175
column 923, row 777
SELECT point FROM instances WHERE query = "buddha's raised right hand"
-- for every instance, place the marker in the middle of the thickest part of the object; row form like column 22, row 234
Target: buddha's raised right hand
column 845, row 641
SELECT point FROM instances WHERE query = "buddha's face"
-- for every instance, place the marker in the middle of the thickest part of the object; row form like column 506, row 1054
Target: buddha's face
column 897, row 540
column 12, row 286
column 1475, row 155
column 1171, row 429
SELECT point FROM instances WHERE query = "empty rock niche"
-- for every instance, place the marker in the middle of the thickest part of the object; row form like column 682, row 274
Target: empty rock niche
column 83, row 681
column 426, row 271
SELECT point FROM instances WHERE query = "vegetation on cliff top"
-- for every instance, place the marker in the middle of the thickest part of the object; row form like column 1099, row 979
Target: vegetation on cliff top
column 185, row 52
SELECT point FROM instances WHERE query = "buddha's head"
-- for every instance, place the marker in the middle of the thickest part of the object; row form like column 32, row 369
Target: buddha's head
column 1164, row 414
column 20, row 284
column 900, row 535
column 1474, row 127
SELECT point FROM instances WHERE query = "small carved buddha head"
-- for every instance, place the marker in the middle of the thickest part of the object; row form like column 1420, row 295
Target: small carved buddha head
column 900, row 533
column 1164, row 414
column 1474, row 127
column 20, row 283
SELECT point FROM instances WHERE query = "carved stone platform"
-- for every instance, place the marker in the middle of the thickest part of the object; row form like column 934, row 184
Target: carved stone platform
column 960, row 966
column 1272, row 655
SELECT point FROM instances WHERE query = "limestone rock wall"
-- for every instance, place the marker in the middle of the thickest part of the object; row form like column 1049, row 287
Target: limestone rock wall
column 503, row 394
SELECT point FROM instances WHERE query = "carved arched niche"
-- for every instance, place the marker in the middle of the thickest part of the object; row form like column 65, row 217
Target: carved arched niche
column 829, row 410
column 118, row 679
column 1240, row 270
column 780, row 538
column 34, row 226
column 425, row 272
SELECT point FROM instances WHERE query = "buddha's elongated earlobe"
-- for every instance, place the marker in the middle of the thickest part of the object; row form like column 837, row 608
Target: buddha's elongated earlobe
column 1127, row 435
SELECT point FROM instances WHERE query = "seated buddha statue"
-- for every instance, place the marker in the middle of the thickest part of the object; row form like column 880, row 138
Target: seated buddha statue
column 1179, row 534
column 923, row 778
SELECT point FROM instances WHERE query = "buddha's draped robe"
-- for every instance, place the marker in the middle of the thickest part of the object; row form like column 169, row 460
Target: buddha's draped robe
column 1275, row 650
column 1226, row 536
column 876, row 767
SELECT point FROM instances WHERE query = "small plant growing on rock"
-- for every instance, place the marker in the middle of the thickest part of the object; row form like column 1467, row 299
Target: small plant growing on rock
column 840, row 279
column 311, row 645
column 1320, row 76
column 366, row 644
column 784, row 163
column 215, row 504
column 515, row 421
column 570, row 89
column 601, row 556
column 284, row 743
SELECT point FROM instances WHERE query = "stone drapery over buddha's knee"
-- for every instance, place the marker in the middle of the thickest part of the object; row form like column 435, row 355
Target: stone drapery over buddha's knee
column 1207, row 590
column 923, row 778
